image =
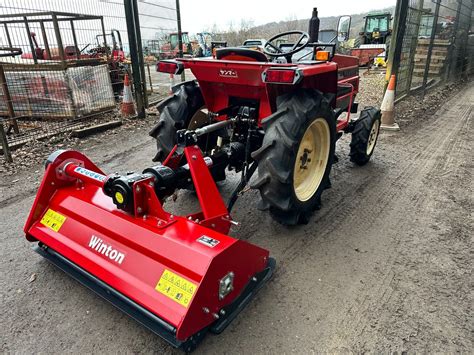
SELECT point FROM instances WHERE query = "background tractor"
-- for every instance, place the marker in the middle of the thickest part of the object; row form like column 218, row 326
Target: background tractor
column 374, row 38
column 170, row 47
column 377, row 29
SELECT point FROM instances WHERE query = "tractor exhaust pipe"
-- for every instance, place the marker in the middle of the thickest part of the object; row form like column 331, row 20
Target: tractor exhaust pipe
column 314, row 27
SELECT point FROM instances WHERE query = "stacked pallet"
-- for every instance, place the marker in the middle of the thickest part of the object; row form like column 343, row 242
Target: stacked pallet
column 438, row 57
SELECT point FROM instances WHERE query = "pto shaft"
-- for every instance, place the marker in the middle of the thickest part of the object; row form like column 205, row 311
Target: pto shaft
column 86, row 175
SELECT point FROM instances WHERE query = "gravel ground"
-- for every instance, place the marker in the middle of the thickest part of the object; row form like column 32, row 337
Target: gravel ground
column 384, row 266
column 34, row 152
column 372, row 84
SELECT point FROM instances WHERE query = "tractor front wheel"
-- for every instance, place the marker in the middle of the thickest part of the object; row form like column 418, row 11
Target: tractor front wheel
column 365, row 135
column 296, row 156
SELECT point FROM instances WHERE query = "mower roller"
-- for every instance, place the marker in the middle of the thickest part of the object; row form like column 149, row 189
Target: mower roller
column 278, row 113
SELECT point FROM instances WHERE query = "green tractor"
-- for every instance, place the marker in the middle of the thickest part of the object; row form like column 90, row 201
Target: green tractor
column 377, row 29
column 374, row 40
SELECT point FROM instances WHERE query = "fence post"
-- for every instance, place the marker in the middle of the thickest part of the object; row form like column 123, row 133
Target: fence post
column 180, row 37
column 397, row 42
column 45, row 39
column 57, row 33
column 465, row 42
column 414, row 44
column 453, row 52
column 430, row 48
column 30, row 40
column 8, row 99
column 149, row 77
column 74, row 39
column 141, row 62
column 4, row 141
column 132, row 40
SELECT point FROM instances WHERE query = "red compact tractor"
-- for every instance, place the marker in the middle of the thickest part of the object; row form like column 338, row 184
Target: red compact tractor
column 278, row 113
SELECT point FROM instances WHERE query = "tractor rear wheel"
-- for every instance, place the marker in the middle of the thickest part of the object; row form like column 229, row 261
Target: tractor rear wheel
column 296, row 156
column 184, row 109
column 364, row 136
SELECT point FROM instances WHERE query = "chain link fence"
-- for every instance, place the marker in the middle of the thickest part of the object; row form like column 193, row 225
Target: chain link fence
column 434, row 43
column 62, row 63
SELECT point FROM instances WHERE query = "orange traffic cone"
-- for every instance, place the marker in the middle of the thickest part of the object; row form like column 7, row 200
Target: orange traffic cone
column 388, row 108
column 127, row 107
column 171, row 84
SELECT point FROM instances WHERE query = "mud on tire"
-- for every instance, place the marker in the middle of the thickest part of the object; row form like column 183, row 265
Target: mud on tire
column 278, row 154
column 175, row 113
column 364, row 135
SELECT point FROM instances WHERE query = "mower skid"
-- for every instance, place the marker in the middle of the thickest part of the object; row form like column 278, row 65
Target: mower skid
column 233, row 310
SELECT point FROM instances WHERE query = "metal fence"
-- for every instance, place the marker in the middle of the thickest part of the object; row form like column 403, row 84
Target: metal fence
column 62, row 62
column 434, row 42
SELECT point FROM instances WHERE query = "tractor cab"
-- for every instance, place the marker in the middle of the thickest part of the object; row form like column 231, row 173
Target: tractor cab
column 377, row 28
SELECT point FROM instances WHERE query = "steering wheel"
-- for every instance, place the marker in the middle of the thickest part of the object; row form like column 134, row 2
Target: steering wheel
column 293, row 50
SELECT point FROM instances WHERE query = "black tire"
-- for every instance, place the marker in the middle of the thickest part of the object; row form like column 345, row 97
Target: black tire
column 276, row 158
column 175, row 113
column 361, row 135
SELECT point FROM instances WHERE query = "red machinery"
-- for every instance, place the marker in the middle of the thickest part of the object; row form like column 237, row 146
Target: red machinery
column 117, row 69
column 73, row 52
column 183, row 275
column 170, row 48
column 177, row 275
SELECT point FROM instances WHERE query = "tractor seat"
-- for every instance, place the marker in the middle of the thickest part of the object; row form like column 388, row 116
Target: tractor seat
column 243, row 54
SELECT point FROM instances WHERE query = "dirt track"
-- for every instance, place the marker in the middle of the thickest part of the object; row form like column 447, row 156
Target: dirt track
column 384, row 265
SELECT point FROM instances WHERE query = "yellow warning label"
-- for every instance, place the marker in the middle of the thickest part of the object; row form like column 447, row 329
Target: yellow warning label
column 53, row 220
column 175, row 287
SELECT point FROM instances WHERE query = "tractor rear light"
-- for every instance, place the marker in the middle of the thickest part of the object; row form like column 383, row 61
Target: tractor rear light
column 170, row 67
column 322, row 56
column 281, row 76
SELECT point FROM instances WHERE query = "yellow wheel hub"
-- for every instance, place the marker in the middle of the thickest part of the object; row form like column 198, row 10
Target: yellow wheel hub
column 199, row 119
column 374, row 132
column 312, row 159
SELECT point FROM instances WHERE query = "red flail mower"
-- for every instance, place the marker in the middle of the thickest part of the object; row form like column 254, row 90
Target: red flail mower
column 278, row 113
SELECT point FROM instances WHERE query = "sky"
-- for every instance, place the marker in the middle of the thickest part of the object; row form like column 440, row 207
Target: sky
column 198, row 15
